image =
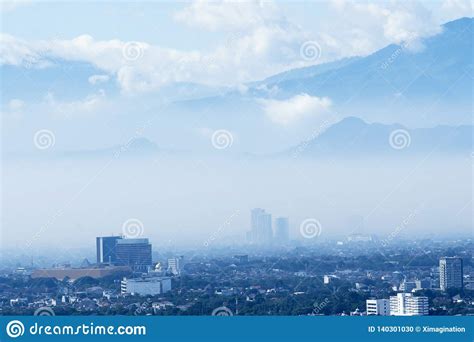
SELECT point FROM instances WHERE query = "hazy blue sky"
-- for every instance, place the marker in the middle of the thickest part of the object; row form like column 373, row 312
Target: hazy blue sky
column 107, row 67
column 223, row 34
column 155, row 21
column 88, row 76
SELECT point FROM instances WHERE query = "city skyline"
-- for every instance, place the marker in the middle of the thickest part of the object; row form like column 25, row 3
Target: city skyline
column 238, row 158
column 270, row 108
column 386, row 289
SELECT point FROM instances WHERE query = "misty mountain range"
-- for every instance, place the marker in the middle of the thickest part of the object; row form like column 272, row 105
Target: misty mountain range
column 440, row 62
column 422, row 84
column 415, row 82
column 92, row 138
column 354, row 137
column 350, row 137
column 432, row 78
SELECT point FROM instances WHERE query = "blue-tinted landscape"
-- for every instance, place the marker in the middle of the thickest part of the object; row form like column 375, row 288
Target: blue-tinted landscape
column 254, row 158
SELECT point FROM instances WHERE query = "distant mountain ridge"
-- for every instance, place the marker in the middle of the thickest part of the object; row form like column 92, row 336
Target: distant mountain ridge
column 305, row 72
column 420, row 85
column 352, row 137
column 442, row 58
column 135, row 147
column 393, row 84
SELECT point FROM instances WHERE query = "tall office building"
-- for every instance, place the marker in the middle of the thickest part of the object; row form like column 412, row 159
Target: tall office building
column 135, row 253
column 106, row 249
column 255, row 215
column 380, row 307
column 405, row 304
column 282, row 229
column 261, row 226
column 450, row 273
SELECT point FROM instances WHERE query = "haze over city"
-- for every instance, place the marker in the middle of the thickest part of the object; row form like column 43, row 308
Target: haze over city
column 274, row 110
column 237, row 158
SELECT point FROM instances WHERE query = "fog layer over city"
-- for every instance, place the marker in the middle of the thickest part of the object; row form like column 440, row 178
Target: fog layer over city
column 202, row 200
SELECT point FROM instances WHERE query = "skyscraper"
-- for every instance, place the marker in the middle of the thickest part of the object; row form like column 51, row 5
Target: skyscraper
column 135, row 253
column 282, row 229
column 255, row 215
column 450, row 273
column 261, row 226
column 106, row 249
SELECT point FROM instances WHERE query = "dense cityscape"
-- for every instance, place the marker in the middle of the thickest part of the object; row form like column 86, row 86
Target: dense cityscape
column 301, row 168
column 270, row 275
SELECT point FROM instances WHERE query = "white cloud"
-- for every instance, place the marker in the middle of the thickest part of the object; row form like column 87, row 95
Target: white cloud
column 14, row 51
column 252, row 56
column 10, row 5
column 294, row 109
column 227, row 14
column 387, row 22
column 409, row 23
column 16, row 104
column 89, row 104
column 13, row 109
column 260, row 41
column 154, row 67
column 96, row 79
column 453, row 9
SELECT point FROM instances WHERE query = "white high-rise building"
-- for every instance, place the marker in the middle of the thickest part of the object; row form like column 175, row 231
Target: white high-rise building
column 380, row 307
column 261, row 226
column 405, row 304
column 175, row 265
column 450, row 273
column 282, row 230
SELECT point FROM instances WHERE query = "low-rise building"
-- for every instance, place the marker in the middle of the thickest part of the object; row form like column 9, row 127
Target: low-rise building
column 407, row 286
column 379, row 307
column 146, row 286
column 75, row 273
column 423, row 284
